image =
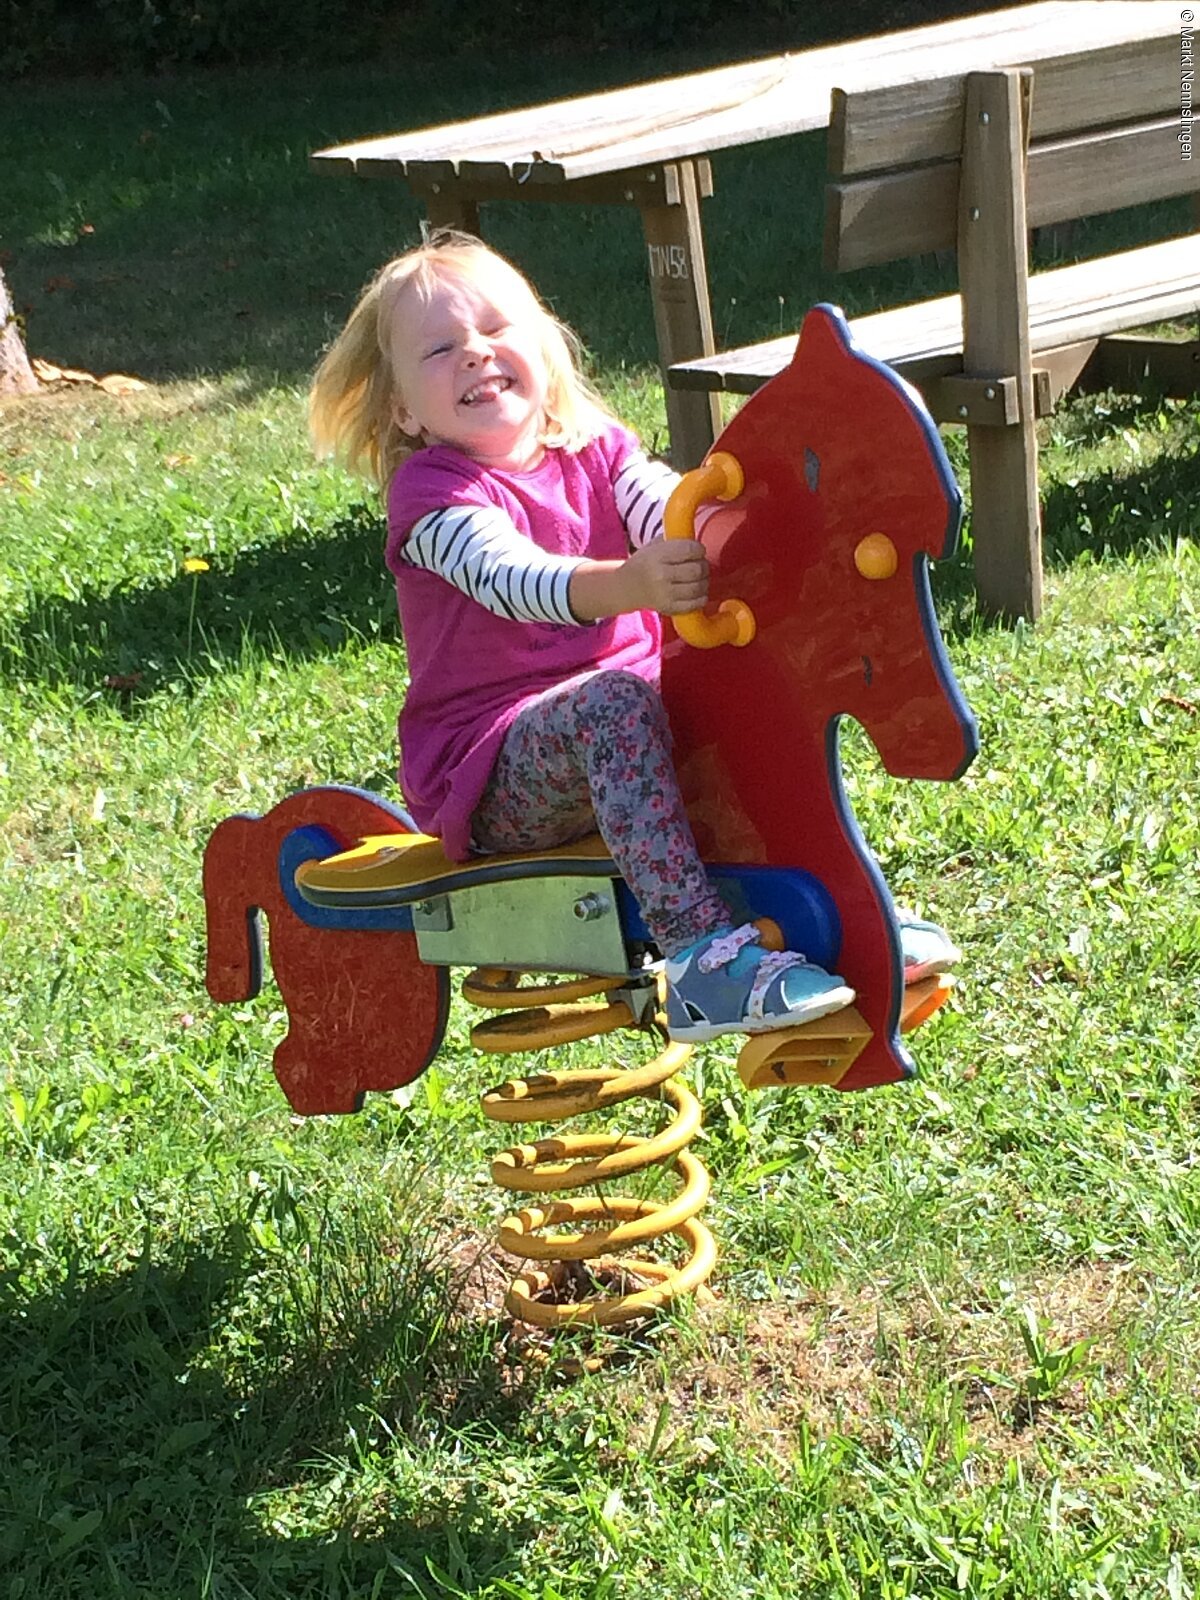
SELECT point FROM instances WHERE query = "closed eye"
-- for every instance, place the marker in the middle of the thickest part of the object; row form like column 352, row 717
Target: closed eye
column 438, row 350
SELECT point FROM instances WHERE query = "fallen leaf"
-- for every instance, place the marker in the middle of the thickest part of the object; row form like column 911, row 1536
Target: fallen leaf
column 1177, row 700
column 47, row 372
column 122, row 681
column 59, row 281
column 120, row 383
column 178, row 460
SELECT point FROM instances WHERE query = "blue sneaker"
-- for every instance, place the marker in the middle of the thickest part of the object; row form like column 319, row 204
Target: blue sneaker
column 926, row 948
column 728, row 983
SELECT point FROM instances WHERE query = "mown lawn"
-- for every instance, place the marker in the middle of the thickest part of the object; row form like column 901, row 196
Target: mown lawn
column 953, row 1349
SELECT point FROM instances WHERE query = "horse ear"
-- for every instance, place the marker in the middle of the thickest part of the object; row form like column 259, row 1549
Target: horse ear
column 824, row 341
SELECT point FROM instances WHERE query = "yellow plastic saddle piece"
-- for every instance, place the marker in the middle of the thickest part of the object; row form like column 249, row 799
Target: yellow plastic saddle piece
column 397, row 868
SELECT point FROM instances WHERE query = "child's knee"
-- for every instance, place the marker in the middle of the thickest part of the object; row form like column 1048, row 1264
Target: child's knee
column 625, row 693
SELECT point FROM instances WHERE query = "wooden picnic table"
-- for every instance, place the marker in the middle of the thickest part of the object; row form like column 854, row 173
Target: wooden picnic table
column 649, row 145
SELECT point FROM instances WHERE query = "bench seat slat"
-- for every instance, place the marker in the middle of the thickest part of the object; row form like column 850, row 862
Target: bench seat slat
column 1157, row 283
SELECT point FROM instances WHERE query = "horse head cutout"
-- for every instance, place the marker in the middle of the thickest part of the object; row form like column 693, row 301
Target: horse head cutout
column 848, row 497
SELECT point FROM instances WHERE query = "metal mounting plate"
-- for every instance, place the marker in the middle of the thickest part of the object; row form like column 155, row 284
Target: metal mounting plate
column 527, row 923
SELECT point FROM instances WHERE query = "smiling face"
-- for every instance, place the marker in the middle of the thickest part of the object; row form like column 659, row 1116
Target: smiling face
column 469, row 366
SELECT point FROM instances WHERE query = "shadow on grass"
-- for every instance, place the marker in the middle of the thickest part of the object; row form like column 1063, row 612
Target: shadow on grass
column 171, row 1422
column 310, row 596
column 175, row 229
column 306, row 597
column 1130, row 509
column 1125, row 509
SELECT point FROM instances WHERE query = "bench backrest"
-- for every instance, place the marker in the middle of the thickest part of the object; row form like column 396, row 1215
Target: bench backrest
column 1103, row 128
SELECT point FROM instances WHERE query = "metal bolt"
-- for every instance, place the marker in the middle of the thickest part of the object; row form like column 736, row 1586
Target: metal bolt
column 984, row 118
column 974, row 213
column 629, row 194
column 591, row 906
column 424, row 908
column 962, row 411
column 990, row 392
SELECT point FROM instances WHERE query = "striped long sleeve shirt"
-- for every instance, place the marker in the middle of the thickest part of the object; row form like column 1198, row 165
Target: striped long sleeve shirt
column 478, row 549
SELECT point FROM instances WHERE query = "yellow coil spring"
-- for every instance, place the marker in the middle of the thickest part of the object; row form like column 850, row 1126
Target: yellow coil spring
column 550, row 1014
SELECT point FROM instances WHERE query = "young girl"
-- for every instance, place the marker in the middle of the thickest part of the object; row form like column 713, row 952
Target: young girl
column 524, row 532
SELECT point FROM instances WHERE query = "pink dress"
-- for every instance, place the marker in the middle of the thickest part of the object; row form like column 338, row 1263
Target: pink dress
column 471, row 671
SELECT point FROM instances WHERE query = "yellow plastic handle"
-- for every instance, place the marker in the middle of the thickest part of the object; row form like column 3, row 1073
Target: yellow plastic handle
column 718, row 478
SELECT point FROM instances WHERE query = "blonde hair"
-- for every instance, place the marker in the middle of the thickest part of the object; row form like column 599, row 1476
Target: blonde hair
column 352, row 401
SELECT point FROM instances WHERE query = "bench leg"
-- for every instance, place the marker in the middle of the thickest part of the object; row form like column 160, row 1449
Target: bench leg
column 1006, row 527
column 682, row 315
column 993, row 263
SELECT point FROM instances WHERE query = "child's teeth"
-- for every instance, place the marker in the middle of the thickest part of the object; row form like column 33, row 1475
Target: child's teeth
column 490, row 385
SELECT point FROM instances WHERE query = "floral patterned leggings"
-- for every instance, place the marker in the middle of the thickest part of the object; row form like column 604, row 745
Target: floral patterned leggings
column 593, row 754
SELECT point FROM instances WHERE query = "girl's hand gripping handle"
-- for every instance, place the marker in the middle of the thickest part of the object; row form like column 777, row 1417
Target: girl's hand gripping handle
column 718, row 478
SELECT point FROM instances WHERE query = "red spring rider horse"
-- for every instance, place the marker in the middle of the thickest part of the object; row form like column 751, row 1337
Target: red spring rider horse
column 837, row 494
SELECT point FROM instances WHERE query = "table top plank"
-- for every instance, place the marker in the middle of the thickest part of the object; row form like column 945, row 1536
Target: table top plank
column 679, row 118
column 540, row 134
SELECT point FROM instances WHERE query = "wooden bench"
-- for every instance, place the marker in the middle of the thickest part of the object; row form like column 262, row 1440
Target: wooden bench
column 647, row 147
column 971, row 163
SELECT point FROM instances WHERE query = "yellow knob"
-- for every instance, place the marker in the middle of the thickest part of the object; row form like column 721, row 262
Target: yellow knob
column 875, row 556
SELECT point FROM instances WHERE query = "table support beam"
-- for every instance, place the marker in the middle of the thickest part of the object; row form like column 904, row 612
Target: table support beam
column 451, row 208
column 682, row 313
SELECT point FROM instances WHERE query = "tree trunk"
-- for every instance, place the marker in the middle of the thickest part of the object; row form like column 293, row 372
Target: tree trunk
column 16, row 375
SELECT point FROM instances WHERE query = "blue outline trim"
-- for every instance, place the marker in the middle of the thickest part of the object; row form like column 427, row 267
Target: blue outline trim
column 941, row 463
column 256, row 951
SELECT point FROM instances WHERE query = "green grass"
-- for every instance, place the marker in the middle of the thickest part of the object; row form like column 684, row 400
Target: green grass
column 954, row 1345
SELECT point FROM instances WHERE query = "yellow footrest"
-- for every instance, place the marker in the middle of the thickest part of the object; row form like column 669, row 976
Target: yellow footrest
column 922, row 999
column 824, row 1051
column 819, row 1052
